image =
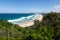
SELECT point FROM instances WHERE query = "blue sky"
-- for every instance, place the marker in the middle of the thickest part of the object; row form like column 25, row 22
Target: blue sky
column 29, row 6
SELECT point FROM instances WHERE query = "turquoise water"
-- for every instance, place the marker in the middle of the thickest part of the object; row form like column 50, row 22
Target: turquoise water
column 17, row 17
column 9, row 16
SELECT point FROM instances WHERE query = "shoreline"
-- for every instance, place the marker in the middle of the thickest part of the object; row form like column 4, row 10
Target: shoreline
column 30, row 23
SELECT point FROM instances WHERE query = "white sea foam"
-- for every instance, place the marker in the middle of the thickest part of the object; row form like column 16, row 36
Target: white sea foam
column 18, row 19
column 22, row 19
column 29, row 17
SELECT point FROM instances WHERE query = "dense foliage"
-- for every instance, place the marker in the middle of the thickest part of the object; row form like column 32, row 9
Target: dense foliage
column 47, row 29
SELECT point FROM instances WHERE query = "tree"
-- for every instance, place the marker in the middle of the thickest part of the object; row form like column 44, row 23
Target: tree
column 36, row 23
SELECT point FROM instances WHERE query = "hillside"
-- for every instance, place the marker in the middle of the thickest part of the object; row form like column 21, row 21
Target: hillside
column 47, row 29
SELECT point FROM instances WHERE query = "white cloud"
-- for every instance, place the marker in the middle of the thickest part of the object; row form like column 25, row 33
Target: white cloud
column 57, row 8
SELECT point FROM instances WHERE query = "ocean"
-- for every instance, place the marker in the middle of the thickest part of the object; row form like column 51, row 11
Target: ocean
column 16, row 18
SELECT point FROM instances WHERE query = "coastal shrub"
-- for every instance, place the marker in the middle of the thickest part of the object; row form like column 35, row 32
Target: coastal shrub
column 47, row 29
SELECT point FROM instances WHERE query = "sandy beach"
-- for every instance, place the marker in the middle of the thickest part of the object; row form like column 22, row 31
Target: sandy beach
column 29, row 23
column 26, row 24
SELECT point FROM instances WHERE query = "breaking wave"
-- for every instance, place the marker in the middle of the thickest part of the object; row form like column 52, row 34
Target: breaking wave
column 23, row 19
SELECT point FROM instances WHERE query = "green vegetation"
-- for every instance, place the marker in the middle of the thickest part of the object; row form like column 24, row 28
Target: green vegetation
column 47, row 29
